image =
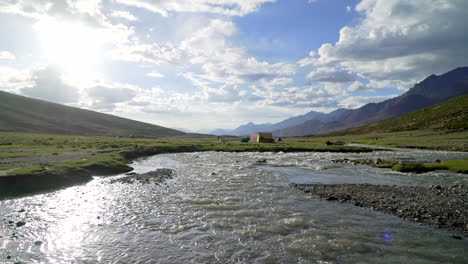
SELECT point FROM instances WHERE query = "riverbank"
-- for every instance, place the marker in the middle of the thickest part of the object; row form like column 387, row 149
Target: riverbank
column 40, row 162
column 457, row 165
column 441, row 207
column 36, row 162
column 448, row 140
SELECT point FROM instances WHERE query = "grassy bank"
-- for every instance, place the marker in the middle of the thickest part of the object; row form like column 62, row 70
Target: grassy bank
column 458, row 165
column 31, row 162
column 452, row 140
column 60, row 159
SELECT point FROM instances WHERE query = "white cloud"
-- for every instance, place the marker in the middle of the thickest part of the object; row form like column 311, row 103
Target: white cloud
column 155, row 75
column 400, row 42
column 106, row 97
column 125, row 15
column 359, row 86
column 12, row 79
column 353, row 102
column 86, row 13
column 91, row 7
column 223, row 7
column 145, row 53
column 225, row 93
column 49, row 85
column 322, row 95
column 6, row 55
column 226, row 64
column 331, row 75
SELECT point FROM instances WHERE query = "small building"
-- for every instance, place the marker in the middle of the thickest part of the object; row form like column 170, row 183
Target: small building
column 262, row 138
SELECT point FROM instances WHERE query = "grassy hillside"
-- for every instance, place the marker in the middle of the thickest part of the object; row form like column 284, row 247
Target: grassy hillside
column 22, row 114
column 449, row 115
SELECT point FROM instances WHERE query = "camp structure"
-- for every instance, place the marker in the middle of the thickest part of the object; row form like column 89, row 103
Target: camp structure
column 262, row 138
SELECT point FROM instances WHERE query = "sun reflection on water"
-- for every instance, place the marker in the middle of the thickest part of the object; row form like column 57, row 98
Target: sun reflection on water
column 75, row 213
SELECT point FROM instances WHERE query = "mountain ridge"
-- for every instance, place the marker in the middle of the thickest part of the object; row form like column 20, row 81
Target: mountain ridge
column 432, row 90
column 448, row 115
column 23, row 114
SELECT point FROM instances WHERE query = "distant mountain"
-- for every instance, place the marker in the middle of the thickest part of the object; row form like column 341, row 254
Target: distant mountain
column 182, row 129
column 448, row 115
column 251, row 128
column 434, row 89
column 23, row 114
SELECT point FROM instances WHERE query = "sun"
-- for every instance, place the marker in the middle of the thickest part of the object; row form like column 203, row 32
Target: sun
column 72, row 46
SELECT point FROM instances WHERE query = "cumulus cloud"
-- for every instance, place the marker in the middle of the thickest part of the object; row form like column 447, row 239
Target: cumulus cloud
column 74, row 12
column 49, row 85
column 124, row 14
column 359, row 86
column 331, row 75
column 228, row 65
column 87, row 11
column 106, row 97
column 400, row 42
column 155, row 75
column 352, row 102
column 223, row 7
column 6, row 55
column 225, row 93
column 145, row 53
column 12, row 79
column 322, row 95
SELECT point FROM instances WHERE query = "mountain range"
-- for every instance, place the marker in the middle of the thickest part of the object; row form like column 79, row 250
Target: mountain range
column 432, row 90
column 23, row 114
column 450, row 115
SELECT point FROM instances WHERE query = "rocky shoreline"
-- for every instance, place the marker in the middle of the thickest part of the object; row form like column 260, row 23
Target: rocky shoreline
column 441, row 207
column 158, row 176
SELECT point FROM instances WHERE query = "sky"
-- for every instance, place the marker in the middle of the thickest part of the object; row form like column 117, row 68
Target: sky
column 206, row 64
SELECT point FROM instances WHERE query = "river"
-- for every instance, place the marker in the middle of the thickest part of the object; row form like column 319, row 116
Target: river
column 226, row 208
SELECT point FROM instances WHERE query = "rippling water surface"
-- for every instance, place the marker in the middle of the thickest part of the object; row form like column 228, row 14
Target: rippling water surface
column 224, row 208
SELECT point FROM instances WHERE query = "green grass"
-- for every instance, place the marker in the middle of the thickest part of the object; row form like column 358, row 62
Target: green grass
column 108, row 155
column 423, row 139
column 377, row 163
column 454, row 165
column 459, row 165
column 98, row 165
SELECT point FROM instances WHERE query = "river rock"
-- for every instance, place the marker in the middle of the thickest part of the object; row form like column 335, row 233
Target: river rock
column 442, row 207
column 20, row 223
column 157, row 176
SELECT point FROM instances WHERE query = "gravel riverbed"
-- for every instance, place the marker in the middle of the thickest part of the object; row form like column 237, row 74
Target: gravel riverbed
column 442, row 207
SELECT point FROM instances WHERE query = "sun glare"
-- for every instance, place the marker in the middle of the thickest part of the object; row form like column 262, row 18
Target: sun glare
column 72, row 46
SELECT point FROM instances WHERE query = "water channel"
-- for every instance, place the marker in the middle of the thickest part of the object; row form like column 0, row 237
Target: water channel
column 226, row 208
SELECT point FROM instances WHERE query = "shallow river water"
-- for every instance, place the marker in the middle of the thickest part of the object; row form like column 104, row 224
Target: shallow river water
column 225, row 208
